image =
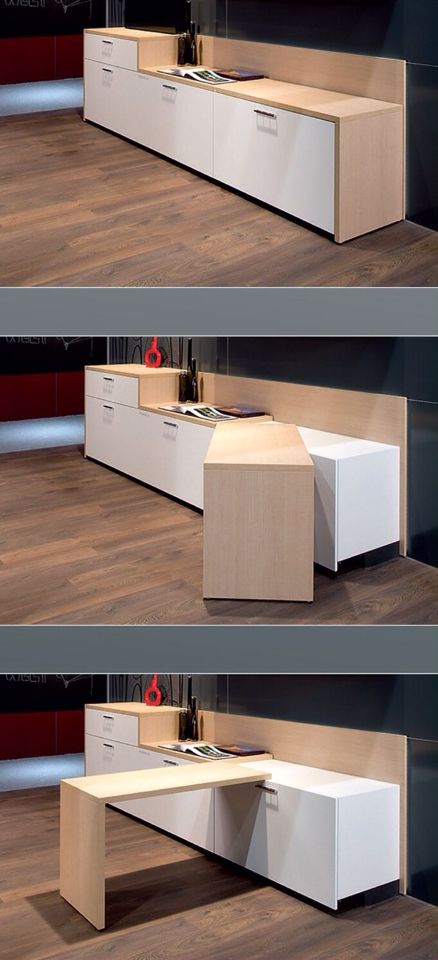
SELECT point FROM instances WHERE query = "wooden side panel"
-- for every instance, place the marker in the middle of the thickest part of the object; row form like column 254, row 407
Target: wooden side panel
column 158, row 726
column 82, row 854
column 369, row 174
column 370, row 416
column 162, row 389
column 157, row 52
column 360, row 753
column 377, row 77
column 258, row 534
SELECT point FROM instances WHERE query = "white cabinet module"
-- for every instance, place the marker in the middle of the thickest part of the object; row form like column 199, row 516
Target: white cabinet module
column 182, row 123
column 112, row 434
column 282, row 158
column 321, row 834
column 118, row 99
column 179, row 449
column 357, row 495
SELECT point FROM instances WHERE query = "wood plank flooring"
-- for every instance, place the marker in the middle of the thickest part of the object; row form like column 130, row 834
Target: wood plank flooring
column 82, row 207
column 167, row 901
column 80, row 543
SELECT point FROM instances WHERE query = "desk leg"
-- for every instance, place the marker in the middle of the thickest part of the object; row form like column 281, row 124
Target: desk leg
column 82, row 854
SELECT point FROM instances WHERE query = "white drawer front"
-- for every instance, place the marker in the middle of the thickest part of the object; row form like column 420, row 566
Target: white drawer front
column 112, row 434
column 283, row 834
column 108, row 386
column 183, row 123
column 112, row 50
column 177, row 466
column 282, row 158
column 112, row 726
column 110, row 756
column 368, row 502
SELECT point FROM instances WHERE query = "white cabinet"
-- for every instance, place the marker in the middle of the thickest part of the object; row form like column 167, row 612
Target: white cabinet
column 321, row 834
column 283, row 158
column 183, row 123
column 118, row 99
column 357, row 495
column 114, row 51
column 113, row 433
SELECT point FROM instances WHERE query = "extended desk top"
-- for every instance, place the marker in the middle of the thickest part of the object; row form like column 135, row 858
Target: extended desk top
column 259, row 446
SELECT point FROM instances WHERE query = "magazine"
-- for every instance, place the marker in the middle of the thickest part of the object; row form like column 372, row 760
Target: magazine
column 201, row 410
column 196, row 73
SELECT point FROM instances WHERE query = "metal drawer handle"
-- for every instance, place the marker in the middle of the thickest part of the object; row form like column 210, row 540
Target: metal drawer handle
column 106, row 716
column 264, row 113
column 107, row 70
column 167, row 423
column 167, row 86
column 106, row 406
column 111, row 379
column 108, row 41
column 172, row 763
column 260, row 786
column 109, row 745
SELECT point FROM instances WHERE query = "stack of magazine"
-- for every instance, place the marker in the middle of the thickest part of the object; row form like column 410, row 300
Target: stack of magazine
column 205, row 411
column 209, row 752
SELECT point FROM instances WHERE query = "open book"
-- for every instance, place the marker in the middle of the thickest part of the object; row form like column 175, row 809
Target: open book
column 201, row 410
column 196, row 73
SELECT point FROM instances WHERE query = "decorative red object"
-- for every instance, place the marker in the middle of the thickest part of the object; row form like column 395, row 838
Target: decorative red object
column 152, row 696
column 153, row 357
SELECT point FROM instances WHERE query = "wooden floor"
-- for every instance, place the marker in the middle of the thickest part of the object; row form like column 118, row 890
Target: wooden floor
column 167, row 901
column 82, row 207
column 80, row 543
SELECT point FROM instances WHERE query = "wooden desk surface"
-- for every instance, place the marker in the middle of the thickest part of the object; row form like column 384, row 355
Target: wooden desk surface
column 133, row 370
column 134, row 709
column 258, row 446
column 174, row 415
column 127, row 33
column 131, row 785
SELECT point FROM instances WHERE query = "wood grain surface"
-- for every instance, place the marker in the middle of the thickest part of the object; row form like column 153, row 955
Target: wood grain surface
column 164, row 899
column 84, row 544
column 86, row 208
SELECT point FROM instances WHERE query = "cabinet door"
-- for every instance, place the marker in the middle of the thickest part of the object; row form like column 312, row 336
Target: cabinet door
column 118, row 100
column 283, row 834
column 368, row 502
column 285, row 159
column 183, row 123
column 112, row 434
column 177, row 466
column 189, row 816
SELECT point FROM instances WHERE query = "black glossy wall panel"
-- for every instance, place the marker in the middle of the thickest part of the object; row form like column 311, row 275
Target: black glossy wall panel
column 403, row 29
column 423, row 819
column 423, row 481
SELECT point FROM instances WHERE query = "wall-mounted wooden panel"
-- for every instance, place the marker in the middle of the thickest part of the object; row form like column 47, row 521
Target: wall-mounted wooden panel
column 380, row 78
column 370, row 416
column 360, row 753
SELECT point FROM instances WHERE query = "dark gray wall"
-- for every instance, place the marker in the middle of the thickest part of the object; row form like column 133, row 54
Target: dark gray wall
column 403, row 29
column 405, row 705
column 404, row 366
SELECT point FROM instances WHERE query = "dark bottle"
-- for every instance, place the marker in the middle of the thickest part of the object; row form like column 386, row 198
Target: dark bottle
column 194, row 391
column 193, row 46
column 184, row 386
column 194, row 712
column 182, row 49
column 182, row 725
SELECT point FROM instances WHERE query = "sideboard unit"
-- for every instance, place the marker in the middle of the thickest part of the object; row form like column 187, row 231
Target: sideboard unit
column 330, row 158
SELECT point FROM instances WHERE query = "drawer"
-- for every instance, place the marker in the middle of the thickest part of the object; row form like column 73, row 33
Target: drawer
column 113, row 435
column 283, row 834
column 119, row 727
column 108, row 386
column 117, row 99
column 113, row 50
column 110, row 756
column 178, row 465
column 282, row 158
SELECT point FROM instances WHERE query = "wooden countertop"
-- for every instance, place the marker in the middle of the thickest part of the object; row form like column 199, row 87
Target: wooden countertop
column 114, row 787
column 312, row 101
column 132, row 370
column 158, row 747
column 259, row 446
column 134, row 709
column 157, row 408
column 127, row 33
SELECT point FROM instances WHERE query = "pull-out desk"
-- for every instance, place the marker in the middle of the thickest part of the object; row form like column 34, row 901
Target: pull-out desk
column 82, row 838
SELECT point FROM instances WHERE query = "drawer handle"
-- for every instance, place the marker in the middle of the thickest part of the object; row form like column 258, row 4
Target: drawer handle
column 264, row 113
column 106, row 406
column 106, row 716
column 108, row 41
column 111, row 379
column 107, row 70
column 167, row 423
column 171, row 763
column 167, row 86
column 109, row 745
column 260, row 786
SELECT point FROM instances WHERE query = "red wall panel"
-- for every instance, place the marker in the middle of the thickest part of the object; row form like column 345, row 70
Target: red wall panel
column 69, row 57
column 70, row 393
column 41, row 734
column 70, row 731
column 24, row 59
column 27, row 735
column 27, row 396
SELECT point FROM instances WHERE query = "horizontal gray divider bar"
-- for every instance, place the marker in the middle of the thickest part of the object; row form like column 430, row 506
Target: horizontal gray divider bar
column 218, row 649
